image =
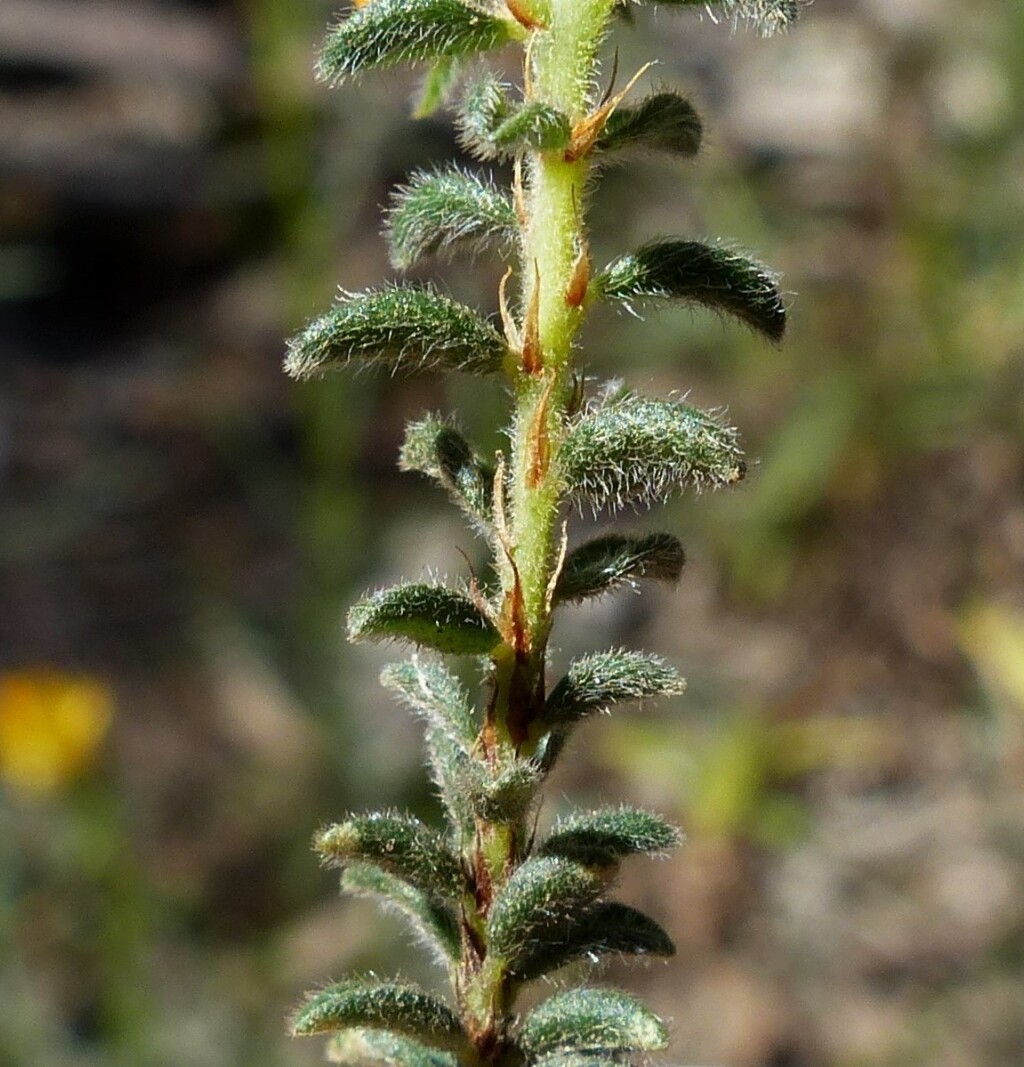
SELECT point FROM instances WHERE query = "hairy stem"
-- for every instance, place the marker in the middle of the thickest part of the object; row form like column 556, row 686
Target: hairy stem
column 560, row 71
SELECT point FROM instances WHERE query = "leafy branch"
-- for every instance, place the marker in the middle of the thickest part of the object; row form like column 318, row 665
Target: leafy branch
column 498, row 907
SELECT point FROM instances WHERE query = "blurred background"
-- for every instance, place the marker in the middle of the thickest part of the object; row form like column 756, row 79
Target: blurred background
column 182, row 530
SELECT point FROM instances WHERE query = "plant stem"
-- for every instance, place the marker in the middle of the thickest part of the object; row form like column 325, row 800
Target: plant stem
column 560, row 71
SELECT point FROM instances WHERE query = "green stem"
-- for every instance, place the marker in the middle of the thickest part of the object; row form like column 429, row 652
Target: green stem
column 562, row 62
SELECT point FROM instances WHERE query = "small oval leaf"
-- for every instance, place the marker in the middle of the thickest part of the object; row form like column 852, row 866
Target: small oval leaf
column 634, row 451
column 605, row 563
column 538, row 905
column 663, row 122
column 445, row 211
column 403, row 328
column 430, row 615
column 605, row 837
column 398, row 844
column 608, row 928
column 591, row 1020
column 712, row 276
column 402, row 1009
column 385, row 33
column 594, row 683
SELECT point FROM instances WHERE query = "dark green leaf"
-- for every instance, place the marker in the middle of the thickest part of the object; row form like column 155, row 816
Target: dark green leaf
column 634, row 451
column 445, row 211
column 431, row 691
column 538, row 905
column 398, row 1008
column 503, row 796
column 584, row 1020
column 603, row 838
column 492, row 127
column 605, row 929
column 711, row 276
column 434, row 923
column 434, row 693
column 534, row 126
column 434, row 447
column 430, row 615
column 403, row 328
column 664, row 122
column 593, row 683
column 398, row 844
column 483, row 107
column 604, row 564
column 385, row 33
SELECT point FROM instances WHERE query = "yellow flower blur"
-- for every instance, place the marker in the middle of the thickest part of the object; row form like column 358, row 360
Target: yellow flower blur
column 51, row 727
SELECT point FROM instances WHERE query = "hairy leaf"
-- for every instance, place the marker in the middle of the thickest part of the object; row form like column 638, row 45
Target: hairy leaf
column 712, row 276
column 503, row 797
column 583, row 1020
column 385, row 33
column 399, row 1008
column 434, row 923
column 430, row 615
column 483, row 107
column 433, row 693
column 538, row 905
column 398, row 844
column 403, row 328
column 663, row 122
column 445, row 211
column 634, row 451
column 605, row 837
column 593, row 683
column 534, row 126
column 434, row 447
column 605, row 563
column 355, row 1047
column 492, row 127
column 769, row 16
column 607, row 928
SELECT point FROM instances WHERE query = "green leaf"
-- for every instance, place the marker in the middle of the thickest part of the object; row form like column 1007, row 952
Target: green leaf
column 605, row 563
column 444, row 211
column 663, row 122
column 769, row 16
column 398, row 844
column 398, row 1008
column 585, row 1020
column 492, row 127
column 503, row 796
column 483, row 107
column 634, row 451
column 534, row 126
column 594, row 683
column 436, row 448
column 537, row 906
column 430, row 615
column 353, row 1047
column 608, row 928
column 712, row 276
column 402, row 328
column 437, row 87
column 433, row 693
column 605, row 837
column 385, row 33
column 434, row 923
